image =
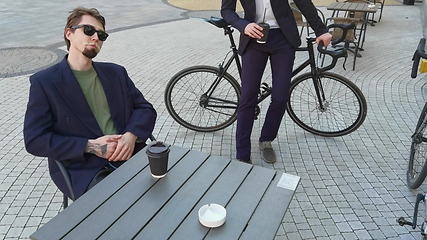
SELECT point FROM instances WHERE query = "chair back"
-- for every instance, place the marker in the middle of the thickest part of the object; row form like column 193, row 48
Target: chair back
column 297, row 15
column 337, row 32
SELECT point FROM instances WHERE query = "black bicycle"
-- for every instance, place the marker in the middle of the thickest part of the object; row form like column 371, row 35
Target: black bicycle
column 205, row 98
column 417, row 167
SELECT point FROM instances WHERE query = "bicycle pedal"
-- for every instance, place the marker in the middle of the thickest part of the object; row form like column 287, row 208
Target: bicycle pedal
column 264, row 85
column 264, row 88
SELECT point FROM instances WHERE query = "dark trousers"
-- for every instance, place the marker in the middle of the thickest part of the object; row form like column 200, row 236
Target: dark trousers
column 254, row 60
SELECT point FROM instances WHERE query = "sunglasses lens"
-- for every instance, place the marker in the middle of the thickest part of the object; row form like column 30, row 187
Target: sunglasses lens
column 89, row 30
column 102, row 35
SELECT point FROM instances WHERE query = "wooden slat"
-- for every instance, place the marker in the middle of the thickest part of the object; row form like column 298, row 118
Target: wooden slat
column 270, row 212
column 178, row 207
column 352, row 7
column 243, row 204
column 333, row 6
column 129, row 224
column 220, row 193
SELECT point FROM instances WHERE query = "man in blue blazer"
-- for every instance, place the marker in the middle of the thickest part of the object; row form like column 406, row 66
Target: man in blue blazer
column 88, row 115
column 283, row 39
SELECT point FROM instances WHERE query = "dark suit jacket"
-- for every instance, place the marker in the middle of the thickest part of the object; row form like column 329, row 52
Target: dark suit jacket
column 283, row 14
column 59, row 122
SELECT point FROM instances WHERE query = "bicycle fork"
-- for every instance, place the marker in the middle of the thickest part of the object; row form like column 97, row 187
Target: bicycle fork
column 323, row 104
column 418, row 135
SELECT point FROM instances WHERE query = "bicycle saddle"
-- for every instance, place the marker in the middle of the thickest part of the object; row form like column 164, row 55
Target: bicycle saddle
column 219, row 22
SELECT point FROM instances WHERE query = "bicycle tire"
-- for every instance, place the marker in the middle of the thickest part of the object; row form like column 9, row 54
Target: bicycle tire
column 344, row 110
column 187, row 104
column 417, row 166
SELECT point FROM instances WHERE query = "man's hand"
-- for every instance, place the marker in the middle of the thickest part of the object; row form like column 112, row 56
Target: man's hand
column 326, row 38
column 253, row 30
column 125, row 147
column 104, row 146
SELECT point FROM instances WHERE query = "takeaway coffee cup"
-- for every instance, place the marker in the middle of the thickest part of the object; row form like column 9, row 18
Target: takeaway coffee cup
column 158, row 155
column 265, row 30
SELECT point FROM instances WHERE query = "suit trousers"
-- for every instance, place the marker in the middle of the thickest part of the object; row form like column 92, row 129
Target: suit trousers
column 254, row 60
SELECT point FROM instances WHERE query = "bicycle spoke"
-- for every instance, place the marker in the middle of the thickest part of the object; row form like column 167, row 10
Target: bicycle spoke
column 417, row 169
column 189, row 104
column 339, row 111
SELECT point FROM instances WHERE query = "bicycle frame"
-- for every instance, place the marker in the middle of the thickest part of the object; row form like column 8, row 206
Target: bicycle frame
column 212, row 102
column 222, row 70
column 225, row 65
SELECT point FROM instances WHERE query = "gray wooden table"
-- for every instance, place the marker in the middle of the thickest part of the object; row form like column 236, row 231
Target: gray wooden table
column 352, row 7
column 130, row 204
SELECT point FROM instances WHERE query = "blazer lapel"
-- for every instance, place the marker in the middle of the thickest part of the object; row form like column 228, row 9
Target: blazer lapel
column 70, row 90
column 114, row 94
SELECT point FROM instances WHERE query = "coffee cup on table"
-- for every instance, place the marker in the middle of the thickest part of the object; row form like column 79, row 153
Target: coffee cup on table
column 265, row 30
column 158, row 156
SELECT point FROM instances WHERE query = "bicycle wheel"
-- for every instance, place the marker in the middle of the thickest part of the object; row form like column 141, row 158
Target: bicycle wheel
column 417, row 167
column 341, row 111
column 197, row 99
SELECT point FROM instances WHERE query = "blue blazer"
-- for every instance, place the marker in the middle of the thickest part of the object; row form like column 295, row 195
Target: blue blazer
column 283, row 14
column 58, row 121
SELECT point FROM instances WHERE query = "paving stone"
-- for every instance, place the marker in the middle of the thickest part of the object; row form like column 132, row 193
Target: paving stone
column 352, row 187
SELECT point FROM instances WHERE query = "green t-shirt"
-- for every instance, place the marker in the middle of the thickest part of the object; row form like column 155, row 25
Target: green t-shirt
column 95, row 97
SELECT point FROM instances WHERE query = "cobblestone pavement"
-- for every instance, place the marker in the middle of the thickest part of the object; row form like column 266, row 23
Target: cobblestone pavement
column 352, row 187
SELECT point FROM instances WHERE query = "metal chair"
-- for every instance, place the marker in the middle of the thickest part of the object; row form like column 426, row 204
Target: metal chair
column 300, row 20
column 350, row 38
column 67, row 178
column 380, row 4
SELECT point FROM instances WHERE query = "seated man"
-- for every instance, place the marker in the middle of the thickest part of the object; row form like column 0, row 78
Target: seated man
column 88, row 115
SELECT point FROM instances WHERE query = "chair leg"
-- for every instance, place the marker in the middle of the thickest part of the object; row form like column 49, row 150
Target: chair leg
column 302, row 30
column 65, row 201
column 356, row 51
column 381, row 13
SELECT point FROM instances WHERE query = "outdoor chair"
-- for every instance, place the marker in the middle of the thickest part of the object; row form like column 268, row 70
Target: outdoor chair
column 380, row 4
column 67, row 177
column 351, row 40
column 300, row 20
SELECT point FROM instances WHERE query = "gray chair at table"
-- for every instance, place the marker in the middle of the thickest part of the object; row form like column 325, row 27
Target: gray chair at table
column 67, row 178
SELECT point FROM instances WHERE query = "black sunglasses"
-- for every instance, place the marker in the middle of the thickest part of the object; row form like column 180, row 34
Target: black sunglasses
column 90, row 30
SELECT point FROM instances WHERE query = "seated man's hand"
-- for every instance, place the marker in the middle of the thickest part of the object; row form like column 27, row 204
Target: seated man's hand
column 125, row 147
column 104, row 146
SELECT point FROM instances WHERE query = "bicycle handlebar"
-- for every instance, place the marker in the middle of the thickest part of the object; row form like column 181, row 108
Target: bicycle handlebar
column 344, row 27
column 419, row 53
column 221, row 23
column 334, row 53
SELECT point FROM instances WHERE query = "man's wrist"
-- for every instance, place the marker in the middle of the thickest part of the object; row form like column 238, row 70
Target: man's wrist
column 135, row 138
column 95, row 148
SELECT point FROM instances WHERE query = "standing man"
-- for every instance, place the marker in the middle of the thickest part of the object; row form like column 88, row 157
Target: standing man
column 283, row 39
column 87, row 115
